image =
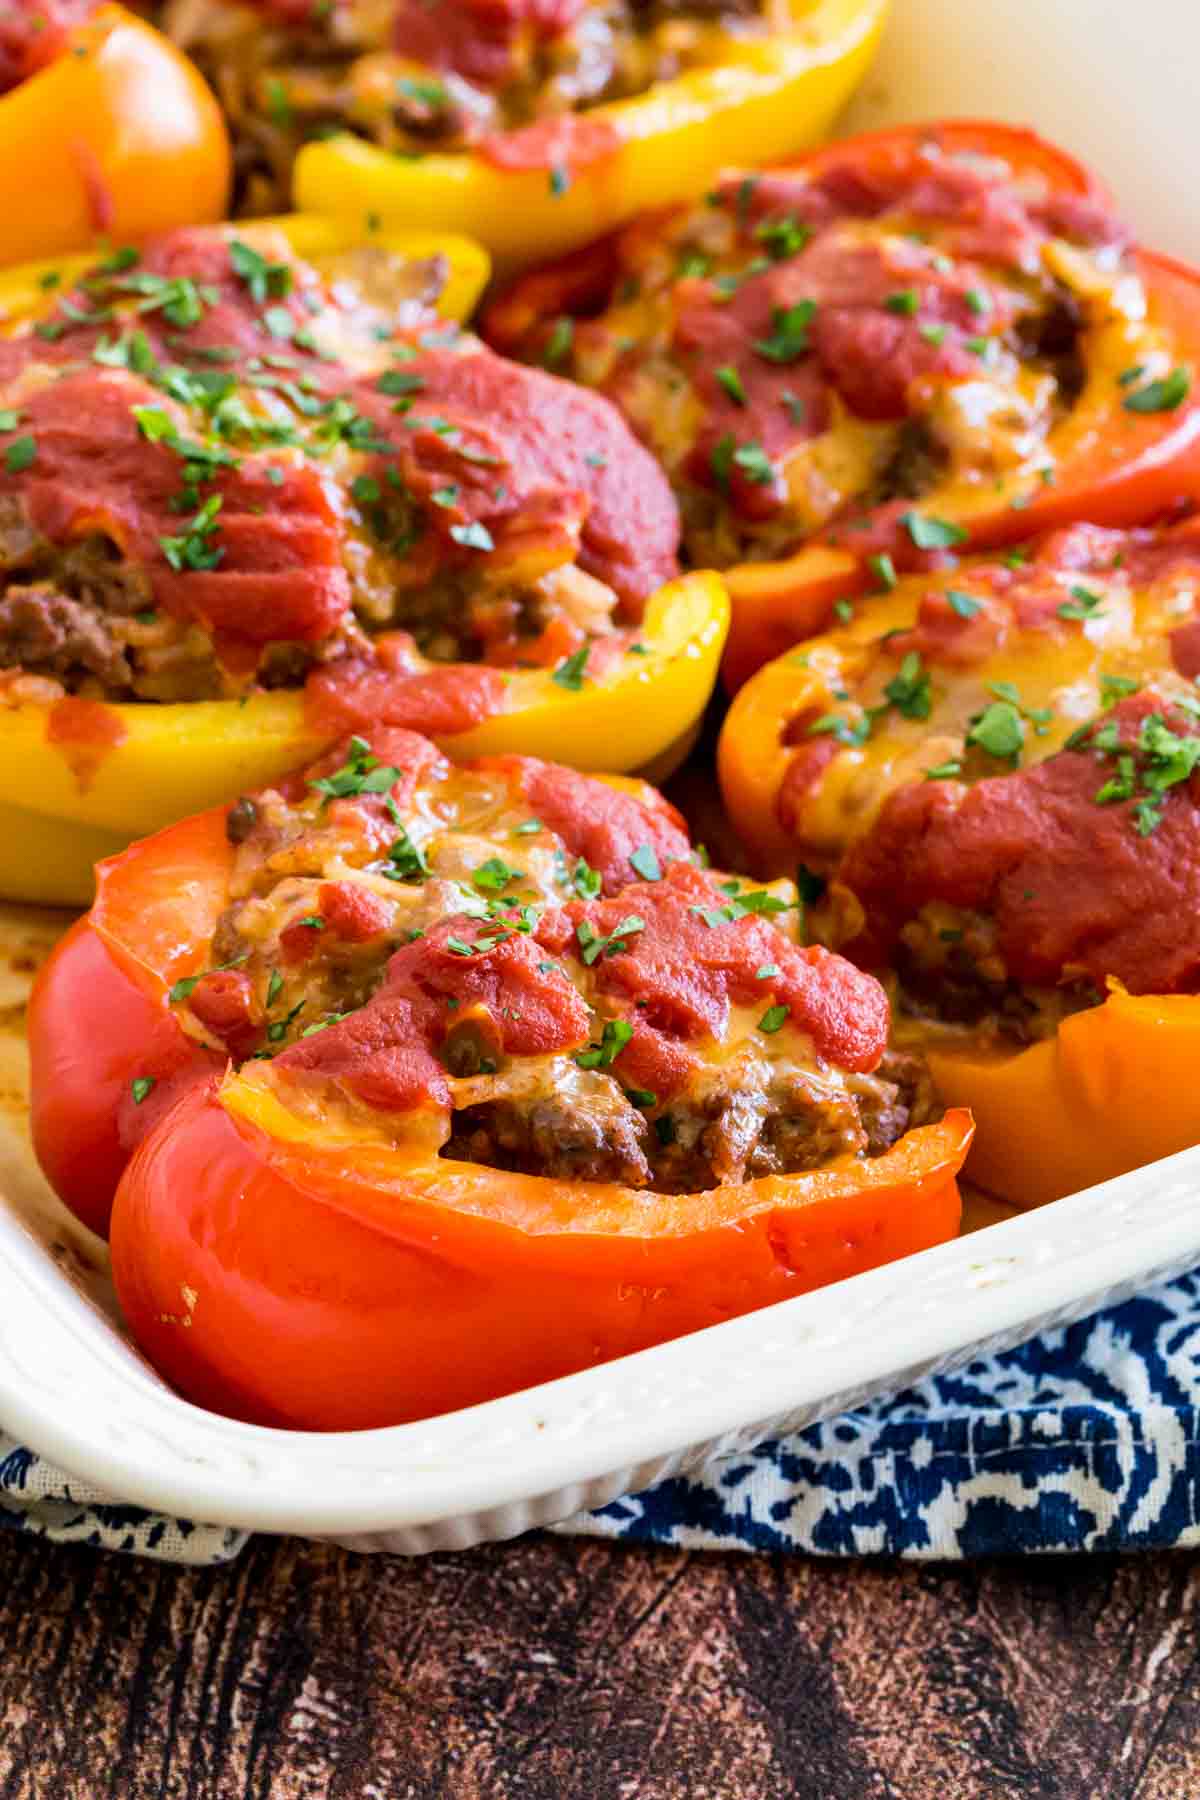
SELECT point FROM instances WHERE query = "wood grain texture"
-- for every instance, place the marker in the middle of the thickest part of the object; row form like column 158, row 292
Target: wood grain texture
column 560, row 1670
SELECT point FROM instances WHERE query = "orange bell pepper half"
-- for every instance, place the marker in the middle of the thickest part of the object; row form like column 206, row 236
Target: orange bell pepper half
column 1012, row 653
column 111, row 135
column 317, row 1263
column 1117, row 441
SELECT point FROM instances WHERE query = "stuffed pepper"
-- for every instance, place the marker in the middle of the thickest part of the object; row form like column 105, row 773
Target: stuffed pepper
column 440, row 1081
column 908, row 344
column 991, row 783
column 256, row 492
column 530, row 124
column 106, row 131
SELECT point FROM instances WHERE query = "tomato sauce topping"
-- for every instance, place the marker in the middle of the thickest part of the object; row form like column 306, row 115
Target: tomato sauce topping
column 479, row 39
column 384, row 1051
column 33, row 33
column 1088, row 863
column 84, row 731
column 690, row 961
column 604, row 825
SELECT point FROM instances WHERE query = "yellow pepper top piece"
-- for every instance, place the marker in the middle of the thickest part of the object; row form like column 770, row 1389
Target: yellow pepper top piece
column 679, row 96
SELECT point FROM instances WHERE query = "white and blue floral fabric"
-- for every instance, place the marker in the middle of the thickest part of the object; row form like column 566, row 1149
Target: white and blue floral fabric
column 1086, row 1438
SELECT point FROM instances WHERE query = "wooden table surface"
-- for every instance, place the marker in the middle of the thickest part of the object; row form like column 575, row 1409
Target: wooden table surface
column 563, row 1670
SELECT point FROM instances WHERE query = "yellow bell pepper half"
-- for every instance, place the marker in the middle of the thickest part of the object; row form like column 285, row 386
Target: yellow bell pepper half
column 768, row 98
column 59, row 812
column 1112, row 1090
column 114, row 138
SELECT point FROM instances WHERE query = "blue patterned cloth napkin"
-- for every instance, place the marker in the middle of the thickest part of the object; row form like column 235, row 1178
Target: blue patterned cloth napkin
column 1083, row 1439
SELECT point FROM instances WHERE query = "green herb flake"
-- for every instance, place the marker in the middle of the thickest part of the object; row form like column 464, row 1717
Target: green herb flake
column 141, row 1086
column 644, row 862
column 909, row 690
column 774, row 1018
column 559, row 340
column 998, row 730
column 964, row 605
column 494, row 875
column 884, row 570
column 729, row 379
column 1160, row 396
column 20, row 454
column 928, row 533
column 571, row 673
column 613, row 1039
column 904, row 302
column 789, row 337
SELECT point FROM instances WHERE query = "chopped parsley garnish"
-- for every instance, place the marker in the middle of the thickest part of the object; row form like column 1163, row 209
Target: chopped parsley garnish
column 571, row 673
column 592, row 946
column 643, row 1097
column 721, row 461
column 400, row 381
column 784, row 237
column 430, row 93
column 999, row 730
column 20, row 454
column 613, row 1039
column 494, row 875
column 755, row 464
column 1116, row 687
column 558, row 344
column 758, row 901
column 905, row 302
column 1145, row 771
column 644, row 862
column 560, row 181
column 274, row 987
column 729, row 379
column 264, row 279
column 140, row 1086
column 933, row 334
column 965, row 605
column 774, row 1018
column 405, row 860
column 789, row 332
column 278, row 1028
column 586, row 881
column 1160, row 396
column 928, row 533
column 527, row 828
column 843, row 610
column 909, row 689
column 361, row 773
column 944, row 771
column 978, row 302
column 884, row 570
column 1083, row 604
column 851, row 732
column 194, row 547
column 767, row 972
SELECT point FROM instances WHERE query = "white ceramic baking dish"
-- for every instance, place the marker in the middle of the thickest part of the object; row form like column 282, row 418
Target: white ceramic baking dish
column 73, row 1388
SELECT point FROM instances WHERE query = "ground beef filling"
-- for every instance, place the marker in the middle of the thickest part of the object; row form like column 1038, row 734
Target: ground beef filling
column 471, row 970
